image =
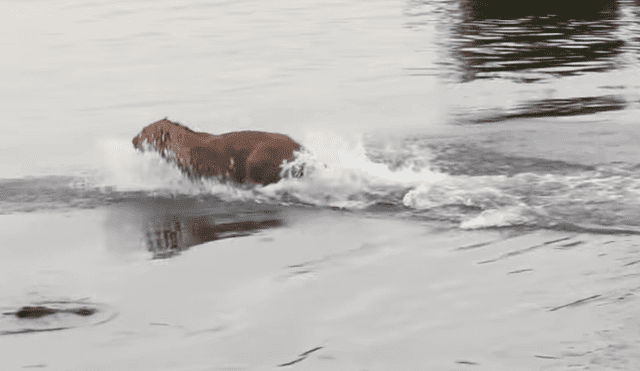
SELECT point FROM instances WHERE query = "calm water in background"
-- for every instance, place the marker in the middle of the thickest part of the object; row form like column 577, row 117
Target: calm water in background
column 446, row 90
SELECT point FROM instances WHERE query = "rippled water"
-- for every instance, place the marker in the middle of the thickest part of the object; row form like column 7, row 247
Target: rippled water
column 532, row 42
column 466, row 164
column 472, row 114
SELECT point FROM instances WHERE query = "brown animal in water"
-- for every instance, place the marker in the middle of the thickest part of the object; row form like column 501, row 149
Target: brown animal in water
column 243, row 156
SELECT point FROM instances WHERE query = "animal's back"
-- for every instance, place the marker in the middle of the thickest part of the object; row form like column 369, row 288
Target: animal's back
column 253, row 156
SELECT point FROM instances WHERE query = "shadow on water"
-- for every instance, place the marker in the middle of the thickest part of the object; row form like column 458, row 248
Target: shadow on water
column 168, row 226
column 556, row 107
column 473, row 160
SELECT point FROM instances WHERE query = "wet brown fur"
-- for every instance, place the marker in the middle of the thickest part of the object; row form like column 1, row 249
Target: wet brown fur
column 243, row 156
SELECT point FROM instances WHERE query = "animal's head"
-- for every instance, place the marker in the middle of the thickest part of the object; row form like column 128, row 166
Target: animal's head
column 157, row 136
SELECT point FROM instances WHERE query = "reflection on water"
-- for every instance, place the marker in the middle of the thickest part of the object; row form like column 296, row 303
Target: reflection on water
column 166, row 226
column 168, row 237
column 566, row 9
column 547, row 45
column 530, row 41
column 557, row 107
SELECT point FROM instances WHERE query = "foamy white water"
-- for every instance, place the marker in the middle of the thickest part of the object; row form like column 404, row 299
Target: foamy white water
column 337, row 173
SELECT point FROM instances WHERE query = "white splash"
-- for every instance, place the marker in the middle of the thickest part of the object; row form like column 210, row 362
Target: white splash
column 337, row 172
column 503, row 217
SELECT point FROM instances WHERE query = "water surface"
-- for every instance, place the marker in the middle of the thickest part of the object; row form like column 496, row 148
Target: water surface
column 471, row 114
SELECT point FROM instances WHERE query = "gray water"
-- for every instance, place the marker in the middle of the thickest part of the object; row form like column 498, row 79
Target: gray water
column 507, row 116
column 423, row 120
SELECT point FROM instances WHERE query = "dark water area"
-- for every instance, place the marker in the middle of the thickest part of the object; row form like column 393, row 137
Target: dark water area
column 503, row 9
column 548, row 46
column 557, row 107
column 176, row 234
column 167, row 223
column 480, row 188
column 170, row 226
column 533, row 41
column 472, row 160
column 31, row 194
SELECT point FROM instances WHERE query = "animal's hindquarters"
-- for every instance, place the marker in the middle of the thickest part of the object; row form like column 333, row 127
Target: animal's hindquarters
column 265, row 161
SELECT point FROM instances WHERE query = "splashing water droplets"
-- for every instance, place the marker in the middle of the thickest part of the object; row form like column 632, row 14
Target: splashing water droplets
column 338, row 173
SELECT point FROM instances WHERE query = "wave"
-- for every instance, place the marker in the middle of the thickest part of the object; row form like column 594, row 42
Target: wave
column 607, row 197
column 337, row 173
column 360, row 174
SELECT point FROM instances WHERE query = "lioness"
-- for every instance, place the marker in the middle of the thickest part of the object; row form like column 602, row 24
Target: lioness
column 243, row 156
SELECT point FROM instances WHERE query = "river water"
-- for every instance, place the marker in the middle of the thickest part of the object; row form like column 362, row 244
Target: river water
column 478, row 115
column 454, row 142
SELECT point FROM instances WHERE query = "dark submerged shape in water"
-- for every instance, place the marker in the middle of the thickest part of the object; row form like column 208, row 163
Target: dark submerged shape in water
column 54, row 315
column 40, row 311
column 243, row 156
